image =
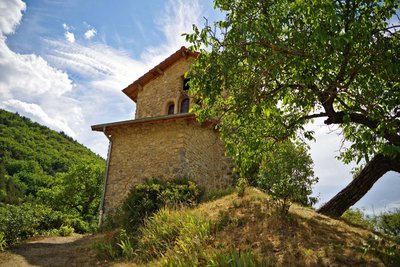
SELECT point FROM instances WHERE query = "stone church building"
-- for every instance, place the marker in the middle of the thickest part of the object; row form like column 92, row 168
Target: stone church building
column 164, row 140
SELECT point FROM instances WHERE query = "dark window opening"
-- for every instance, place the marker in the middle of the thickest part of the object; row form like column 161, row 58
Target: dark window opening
column 186, row 84
column 171, row 108
column 185, row 105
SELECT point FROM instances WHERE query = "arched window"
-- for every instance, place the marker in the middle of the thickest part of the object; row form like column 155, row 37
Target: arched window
column 171, row 108
column 185, row 105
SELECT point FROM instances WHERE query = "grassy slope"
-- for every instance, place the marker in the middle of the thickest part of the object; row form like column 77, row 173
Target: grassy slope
column 243, row 224
column 305, row 239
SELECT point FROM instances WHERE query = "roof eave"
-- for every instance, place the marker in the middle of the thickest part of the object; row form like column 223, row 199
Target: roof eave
column 104, row 126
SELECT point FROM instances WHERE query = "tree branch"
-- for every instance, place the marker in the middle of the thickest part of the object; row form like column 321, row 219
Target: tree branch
column 338, row 118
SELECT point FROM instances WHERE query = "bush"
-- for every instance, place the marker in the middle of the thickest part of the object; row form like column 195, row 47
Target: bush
column 357, row 216
column 65, row 230
column 145, row 199
column 286, row 175
column 389, row 223
column 18, row 222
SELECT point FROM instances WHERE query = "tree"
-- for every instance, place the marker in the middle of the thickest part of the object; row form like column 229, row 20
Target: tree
column 77, row 191
column 293, row 61
column 286, row 175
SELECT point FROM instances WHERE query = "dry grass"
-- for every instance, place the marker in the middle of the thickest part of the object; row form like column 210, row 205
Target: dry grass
column 251, row 225
column 304, row 238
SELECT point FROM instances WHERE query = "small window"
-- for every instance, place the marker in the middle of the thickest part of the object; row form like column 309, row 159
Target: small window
column 171, row 108
column 185, row 105
column 186, row 84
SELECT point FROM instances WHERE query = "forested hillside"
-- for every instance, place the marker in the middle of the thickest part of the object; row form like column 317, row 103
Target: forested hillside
column 47, row 170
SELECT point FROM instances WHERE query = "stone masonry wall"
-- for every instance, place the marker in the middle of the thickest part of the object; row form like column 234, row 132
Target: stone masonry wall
column 165, row 149
column 154, row 97
column 205, row 157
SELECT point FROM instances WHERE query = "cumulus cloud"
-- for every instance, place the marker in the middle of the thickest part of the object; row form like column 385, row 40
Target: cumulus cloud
column 27, row 81
column 69, row 36
column 89, row 34
column 11, row 14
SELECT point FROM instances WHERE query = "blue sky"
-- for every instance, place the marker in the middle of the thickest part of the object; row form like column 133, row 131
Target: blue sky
column 64, row 64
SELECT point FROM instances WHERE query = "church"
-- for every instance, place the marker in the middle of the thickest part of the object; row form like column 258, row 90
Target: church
column 164, row 140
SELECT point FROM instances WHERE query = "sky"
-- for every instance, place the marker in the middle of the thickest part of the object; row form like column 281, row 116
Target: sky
column 64, row 63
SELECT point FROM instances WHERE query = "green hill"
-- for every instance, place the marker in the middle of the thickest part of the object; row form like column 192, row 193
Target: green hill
column 32, row 154
column 43, row 171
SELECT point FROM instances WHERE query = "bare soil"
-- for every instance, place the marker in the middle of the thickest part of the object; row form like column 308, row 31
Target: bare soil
column 52, row 251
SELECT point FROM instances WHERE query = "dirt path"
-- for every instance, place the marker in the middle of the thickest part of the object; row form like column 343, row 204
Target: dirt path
column 52, row 251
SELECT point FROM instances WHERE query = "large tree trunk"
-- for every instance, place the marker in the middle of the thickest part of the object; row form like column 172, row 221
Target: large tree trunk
column 361, row 184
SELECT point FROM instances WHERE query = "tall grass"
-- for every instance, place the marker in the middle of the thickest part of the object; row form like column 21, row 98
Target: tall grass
column 173, row 232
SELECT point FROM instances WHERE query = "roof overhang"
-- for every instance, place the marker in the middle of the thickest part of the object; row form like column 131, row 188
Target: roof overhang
column 132, row 90
column 158, row 119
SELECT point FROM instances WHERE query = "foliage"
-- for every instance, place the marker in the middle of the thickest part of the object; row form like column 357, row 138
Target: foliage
column 125, row 245
column 66, row 230
column 281, row 64
column 270, row 53
column 147, row 198
column 239, row 259
column 47, row 180
column 242, row 183
column 77, row 191
column 389, row 254
column 115, row 245
column 180, row 232
column 357, row 216
column 389, row 223
column 3, row 243
column 213, row 194
column 20, row 222
column 286, row 175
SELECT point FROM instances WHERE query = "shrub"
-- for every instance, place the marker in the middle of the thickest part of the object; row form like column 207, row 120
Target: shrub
column 357, row 216
column 145, row 199
column 65, row 230
column 18, row 222
column 286, row 175
column 389, row 223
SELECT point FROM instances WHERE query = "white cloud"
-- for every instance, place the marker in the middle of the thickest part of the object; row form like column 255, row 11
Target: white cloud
column 27, row 82
column 177, row 18
column 69, row 36
column 89, row 34
column 66, row 27
column 11, row 14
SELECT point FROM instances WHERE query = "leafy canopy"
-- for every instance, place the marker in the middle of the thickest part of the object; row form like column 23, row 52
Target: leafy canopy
column 289, row 62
